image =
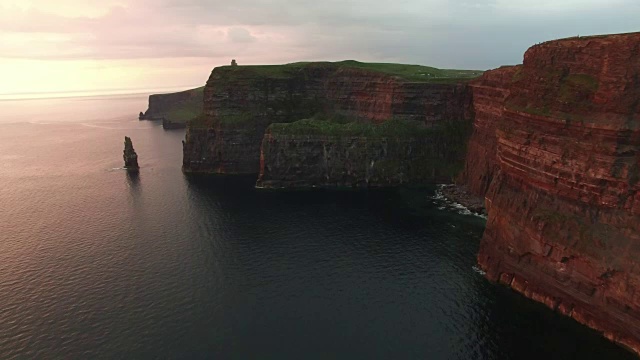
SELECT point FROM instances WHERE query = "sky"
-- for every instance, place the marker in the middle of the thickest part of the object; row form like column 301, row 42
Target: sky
column 80, row 45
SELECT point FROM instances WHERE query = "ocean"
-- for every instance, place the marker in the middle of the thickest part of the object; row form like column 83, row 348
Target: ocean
column 99, row 263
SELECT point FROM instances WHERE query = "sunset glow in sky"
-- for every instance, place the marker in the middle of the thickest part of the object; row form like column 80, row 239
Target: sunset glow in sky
column 76, row 45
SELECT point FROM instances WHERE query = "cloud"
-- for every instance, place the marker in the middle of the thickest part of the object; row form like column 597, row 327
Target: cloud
column 555, row 6
column 240, row 35
column 477, row 34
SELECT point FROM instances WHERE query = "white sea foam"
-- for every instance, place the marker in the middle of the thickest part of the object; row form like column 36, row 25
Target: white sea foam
column 478, row 270
column 446, row 204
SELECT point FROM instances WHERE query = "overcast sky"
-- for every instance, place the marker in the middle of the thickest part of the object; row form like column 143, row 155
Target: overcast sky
column 70, row 45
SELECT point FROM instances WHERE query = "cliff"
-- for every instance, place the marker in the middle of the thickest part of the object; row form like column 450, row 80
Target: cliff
column 555, row 151
column 312, row 153
column 241, row 102
column 174, row 109
column 489, row 94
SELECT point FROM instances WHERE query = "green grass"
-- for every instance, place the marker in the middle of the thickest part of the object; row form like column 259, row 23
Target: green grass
column 529, row 109
column 199, row 121
column 577, row 89
column 517, row 75
column 437, row 150
column 236, row 121
column 343, row 126
column 267, row 71
column 191, row 110
column 241, row 120
column 184, row 111
column 583, row 81
column 415, row 73
column 187, row 110
column 559, row 89
column 410, row 73
column 392, row 128
column 591, row 37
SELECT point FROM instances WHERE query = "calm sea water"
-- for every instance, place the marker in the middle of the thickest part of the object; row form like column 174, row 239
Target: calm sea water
column 96, row 263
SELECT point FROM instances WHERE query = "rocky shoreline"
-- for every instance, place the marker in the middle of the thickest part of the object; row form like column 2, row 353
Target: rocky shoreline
column 461, row 195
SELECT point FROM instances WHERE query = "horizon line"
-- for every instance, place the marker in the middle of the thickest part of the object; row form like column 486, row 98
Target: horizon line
column 92, row 92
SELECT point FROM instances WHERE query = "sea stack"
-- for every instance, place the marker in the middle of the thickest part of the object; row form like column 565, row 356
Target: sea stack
column 130, row 156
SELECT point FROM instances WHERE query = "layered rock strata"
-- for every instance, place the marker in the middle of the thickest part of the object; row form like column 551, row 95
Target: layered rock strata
column 241, row 102
column 555, row 150
column 489, row 94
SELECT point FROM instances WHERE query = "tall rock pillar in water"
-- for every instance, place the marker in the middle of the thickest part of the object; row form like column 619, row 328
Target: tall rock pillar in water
column 130, row 156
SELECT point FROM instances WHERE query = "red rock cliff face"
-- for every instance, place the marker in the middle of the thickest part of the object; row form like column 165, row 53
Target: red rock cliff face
column 489, row 94
column 377, row 97
column 562, row 190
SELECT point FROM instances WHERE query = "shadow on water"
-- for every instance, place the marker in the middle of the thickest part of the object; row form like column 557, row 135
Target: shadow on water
column 218, row 184
column 238, row 197
column 133, row 178
column 133, row 183
column 380, row 261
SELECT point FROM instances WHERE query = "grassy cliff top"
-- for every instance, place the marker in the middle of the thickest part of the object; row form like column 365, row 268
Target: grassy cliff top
column 328, row 127
column 410, row 73
column 590, row 38
column 188, row 109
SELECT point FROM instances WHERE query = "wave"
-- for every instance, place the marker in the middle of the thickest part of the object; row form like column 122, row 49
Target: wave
column 447, row 204
column 477, row 269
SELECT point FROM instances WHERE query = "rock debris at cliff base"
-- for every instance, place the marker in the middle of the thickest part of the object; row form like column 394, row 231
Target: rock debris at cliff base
column 461, row 195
